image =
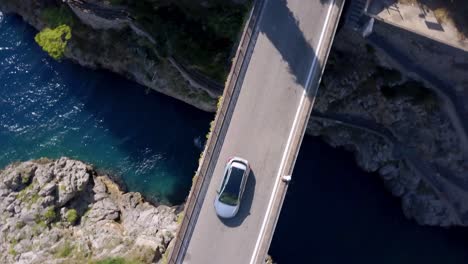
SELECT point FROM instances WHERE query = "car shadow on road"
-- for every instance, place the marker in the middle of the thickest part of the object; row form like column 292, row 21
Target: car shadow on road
column 246, row 203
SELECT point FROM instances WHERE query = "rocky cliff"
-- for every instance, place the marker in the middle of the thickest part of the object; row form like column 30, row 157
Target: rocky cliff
column 63, row 211
column 104, row 38
column 396, row 125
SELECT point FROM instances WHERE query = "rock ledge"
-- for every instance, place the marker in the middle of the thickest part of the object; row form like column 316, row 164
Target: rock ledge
column 62, row 211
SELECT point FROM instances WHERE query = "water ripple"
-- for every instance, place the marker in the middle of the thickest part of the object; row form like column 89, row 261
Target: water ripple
column 57, row 109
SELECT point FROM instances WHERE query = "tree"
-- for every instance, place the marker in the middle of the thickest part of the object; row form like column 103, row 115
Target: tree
column 54, row 41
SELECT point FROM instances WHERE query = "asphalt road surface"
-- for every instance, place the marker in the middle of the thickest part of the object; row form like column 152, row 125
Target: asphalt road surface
column 283, row 63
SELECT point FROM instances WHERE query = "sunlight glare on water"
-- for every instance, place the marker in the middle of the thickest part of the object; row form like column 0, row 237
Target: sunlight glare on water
column 54, row 109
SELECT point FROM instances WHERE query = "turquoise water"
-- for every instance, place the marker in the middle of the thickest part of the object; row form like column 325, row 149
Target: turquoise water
column 57, row 109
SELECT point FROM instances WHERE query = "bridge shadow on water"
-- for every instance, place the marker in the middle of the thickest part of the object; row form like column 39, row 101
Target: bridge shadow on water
column 246, row 203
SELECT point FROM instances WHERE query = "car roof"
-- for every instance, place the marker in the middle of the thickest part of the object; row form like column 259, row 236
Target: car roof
column 235, row 179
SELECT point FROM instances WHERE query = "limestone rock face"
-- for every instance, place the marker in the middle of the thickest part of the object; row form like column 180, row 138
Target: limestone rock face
column 62, row 211
column 396, row 126
column 118, row 46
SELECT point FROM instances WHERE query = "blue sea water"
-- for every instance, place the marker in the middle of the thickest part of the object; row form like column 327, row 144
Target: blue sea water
column 54, row 109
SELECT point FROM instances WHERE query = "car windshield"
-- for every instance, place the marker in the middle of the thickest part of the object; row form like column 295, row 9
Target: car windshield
column 230, row 194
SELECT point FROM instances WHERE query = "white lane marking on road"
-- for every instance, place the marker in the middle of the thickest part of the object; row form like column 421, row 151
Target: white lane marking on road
column 291, row 133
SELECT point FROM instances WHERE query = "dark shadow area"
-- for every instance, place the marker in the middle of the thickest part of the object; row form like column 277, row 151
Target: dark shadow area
column 336, row 213
column 434, row 26
column 282, row 29
column 403, row 57
column 246, row 203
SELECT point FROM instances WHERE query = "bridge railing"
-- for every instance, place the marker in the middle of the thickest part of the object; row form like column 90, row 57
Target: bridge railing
column 213, row 146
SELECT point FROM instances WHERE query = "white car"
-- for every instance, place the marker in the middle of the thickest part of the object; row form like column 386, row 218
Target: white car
column 229, row 196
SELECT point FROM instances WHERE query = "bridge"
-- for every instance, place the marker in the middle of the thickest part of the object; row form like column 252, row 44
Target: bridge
column 262, row 117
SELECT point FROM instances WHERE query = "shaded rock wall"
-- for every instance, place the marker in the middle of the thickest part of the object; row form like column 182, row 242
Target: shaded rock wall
column 396, row 126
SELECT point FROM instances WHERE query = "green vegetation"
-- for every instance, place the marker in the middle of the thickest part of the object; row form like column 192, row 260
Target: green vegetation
column 12, row 250
column 194, row 179
column 212, row 123
column 34, row 198
column 180, row 217
column 203, row 37
column 57, row 16
column 219, row 103
column 116, row 260
column 24, row 178
column 54, row 41
column 64, row 250
column 50, row 215
column 22, row 195
column 72, row 216
column 20, row 224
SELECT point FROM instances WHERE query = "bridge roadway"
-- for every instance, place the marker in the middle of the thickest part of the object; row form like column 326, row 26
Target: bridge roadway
column 289, row 44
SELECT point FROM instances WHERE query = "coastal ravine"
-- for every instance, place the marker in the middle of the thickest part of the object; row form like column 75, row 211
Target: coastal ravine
column 333, row 213
column 53, row 109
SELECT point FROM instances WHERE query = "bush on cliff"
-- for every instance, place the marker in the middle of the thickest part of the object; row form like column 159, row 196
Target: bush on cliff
column 54, row 41
column 72, row 216
column 56, row 16
column 200, row 37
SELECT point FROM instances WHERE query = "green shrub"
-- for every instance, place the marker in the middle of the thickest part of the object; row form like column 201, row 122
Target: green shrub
column 49, row 215
column 180, row 217
column 72, row 216
column 219, row 103
column 56, row 16
column 34, row 198
column 202, row 37
column 65, row 250
column 226, row 21
column 24, row 178
column 54, row 41
column 12, row 250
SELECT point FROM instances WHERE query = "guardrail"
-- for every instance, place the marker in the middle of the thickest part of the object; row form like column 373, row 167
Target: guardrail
column 213, row 146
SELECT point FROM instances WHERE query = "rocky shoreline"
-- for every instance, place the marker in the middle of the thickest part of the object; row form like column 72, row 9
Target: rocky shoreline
column 63, row 211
